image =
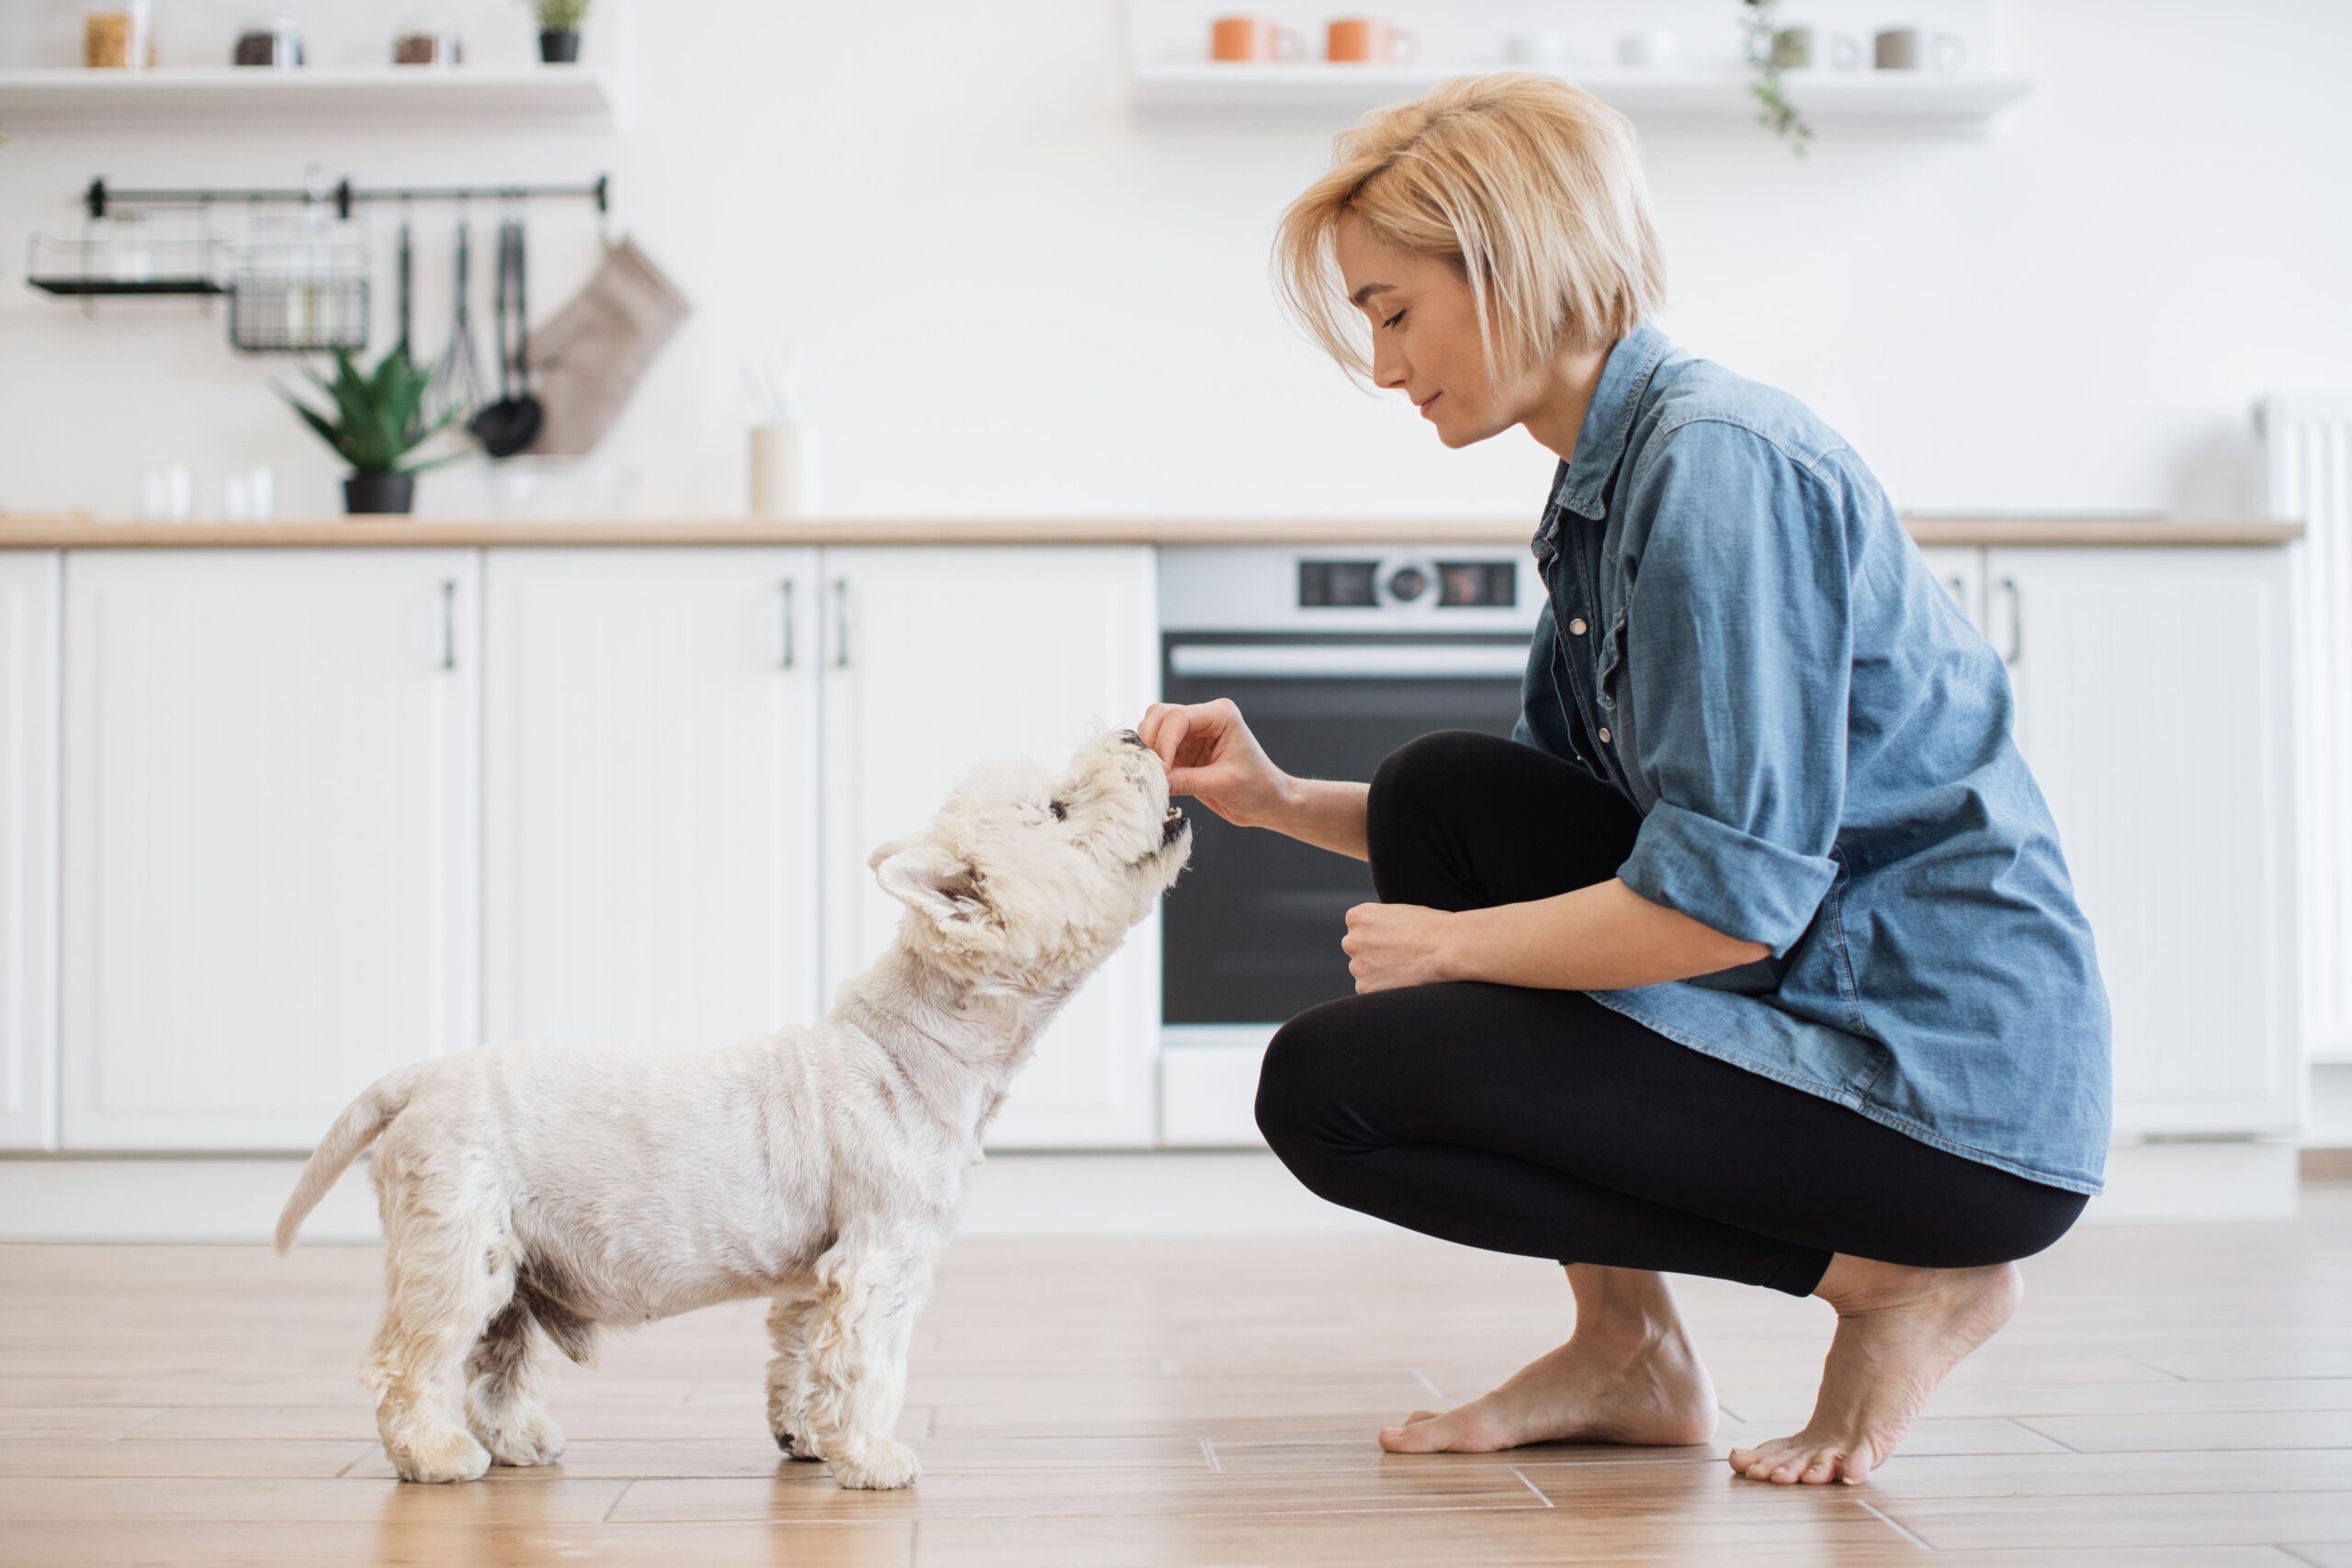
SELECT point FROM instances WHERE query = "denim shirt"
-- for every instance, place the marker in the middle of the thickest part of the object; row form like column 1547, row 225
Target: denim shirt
column 1740, row 638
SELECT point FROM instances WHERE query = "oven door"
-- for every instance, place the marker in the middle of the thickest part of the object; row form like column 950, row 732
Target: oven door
column 1250, row 933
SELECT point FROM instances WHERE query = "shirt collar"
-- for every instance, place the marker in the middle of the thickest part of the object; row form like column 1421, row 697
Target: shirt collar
column 1609, row 420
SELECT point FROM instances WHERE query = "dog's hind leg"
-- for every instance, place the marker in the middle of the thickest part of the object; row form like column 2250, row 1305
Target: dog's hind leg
column 789, row 1319
column 503, row 1399
column 444, row 1282
column 857, row 1361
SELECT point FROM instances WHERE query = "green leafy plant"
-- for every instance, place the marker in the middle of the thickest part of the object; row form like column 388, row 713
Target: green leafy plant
column 1756, row 19
column 379, row 414
column 560, row 16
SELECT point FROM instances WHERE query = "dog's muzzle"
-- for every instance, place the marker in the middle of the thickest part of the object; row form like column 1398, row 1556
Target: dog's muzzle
column 1169, row 826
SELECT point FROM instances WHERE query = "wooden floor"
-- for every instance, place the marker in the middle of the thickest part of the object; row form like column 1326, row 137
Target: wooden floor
column 2166, row 1395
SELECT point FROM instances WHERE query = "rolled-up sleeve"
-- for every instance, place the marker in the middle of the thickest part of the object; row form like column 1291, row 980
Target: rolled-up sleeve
column 1738, row 655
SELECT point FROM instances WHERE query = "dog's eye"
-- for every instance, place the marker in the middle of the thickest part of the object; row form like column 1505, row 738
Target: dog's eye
column 1061, row 812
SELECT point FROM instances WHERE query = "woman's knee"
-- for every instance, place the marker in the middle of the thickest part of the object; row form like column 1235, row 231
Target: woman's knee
column 1297, row 1085
column 1408, row 790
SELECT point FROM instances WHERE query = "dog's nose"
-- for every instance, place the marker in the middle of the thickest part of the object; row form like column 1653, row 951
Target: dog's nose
column 1130, row 737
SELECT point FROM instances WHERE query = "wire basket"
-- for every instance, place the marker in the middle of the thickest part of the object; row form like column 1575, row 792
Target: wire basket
column 304, row 299
column 125, row 259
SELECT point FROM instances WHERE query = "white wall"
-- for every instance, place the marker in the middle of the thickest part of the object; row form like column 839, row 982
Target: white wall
column 1020, row 299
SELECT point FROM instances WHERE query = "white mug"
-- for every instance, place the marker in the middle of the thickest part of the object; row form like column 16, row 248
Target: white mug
column 1645, row 52
column 1535, row 49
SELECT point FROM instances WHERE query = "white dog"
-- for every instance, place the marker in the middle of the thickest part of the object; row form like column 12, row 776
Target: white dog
column 530, row 1192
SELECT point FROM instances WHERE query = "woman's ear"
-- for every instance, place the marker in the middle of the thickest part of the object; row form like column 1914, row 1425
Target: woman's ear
column 944, row 886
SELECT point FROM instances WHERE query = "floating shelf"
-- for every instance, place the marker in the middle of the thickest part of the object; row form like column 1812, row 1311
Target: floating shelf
column 310, row 94
column 1823, row 97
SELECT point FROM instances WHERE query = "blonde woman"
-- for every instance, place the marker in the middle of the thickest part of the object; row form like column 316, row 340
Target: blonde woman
column 1752, row 953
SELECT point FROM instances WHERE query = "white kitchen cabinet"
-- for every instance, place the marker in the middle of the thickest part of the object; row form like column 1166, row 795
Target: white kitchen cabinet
column 1960, row 570
column 650, row 834
column 937, row 656
column 2153, row 692
column 29, row 741
column 270, row 855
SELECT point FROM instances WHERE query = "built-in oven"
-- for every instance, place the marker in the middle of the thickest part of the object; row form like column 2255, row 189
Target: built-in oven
column 1336, row 656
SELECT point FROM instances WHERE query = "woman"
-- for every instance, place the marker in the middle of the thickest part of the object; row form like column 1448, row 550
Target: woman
column 1751, row 954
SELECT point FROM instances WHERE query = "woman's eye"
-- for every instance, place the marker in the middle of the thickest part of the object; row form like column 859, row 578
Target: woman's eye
column 1394, row 319
column 1059, row 810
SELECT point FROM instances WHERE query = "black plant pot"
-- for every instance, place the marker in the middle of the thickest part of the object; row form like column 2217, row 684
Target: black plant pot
column 378, row 492
column 559, row 46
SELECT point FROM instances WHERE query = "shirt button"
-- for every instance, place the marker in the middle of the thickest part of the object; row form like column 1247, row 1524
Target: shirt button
column 1604, row 733
column 1576, row 626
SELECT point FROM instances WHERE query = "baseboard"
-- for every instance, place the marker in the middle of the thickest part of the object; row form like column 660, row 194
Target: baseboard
column 1145, row 1192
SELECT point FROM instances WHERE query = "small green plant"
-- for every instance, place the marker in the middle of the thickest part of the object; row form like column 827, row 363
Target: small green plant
column 1758, row 21
column 559, row 16
column 379, row 414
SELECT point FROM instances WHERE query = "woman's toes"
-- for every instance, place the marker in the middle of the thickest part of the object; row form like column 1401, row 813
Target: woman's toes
column 1424, row 1434
column 1823, row 1467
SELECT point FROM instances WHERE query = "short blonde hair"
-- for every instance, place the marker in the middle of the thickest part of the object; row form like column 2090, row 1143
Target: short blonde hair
column 1527, row 185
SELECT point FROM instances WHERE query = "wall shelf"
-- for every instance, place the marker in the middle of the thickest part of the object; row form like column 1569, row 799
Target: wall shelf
column 1967, row 101
column 539, row 94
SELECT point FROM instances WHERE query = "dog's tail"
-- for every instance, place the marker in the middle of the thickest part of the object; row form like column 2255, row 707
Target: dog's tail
column 353, row 1130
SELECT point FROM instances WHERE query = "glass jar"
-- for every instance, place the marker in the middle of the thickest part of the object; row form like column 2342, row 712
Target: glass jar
column 120, row 36
column 276, row 42
column 428, row 43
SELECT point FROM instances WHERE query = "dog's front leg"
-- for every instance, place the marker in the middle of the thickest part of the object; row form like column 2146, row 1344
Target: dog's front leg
column 790, row 1318
column 857, row 1359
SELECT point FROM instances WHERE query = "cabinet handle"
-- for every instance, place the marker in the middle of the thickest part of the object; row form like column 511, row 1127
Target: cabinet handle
column 841, row 623
column 2016, row 620
column 449, row 623
column 788, row 638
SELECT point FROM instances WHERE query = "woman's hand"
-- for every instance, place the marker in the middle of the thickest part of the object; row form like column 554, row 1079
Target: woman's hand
column 1211, row 755
column 1389, row 945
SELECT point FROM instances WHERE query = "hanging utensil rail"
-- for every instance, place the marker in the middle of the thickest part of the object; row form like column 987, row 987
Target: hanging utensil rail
column 343, row 195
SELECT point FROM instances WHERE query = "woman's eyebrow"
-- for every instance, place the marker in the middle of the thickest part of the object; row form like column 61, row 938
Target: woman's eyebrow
column 1368, row 290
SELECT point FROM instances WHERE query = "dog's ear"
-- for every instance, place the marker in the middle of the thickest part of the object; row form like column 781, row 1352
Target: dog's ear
column 921, row 875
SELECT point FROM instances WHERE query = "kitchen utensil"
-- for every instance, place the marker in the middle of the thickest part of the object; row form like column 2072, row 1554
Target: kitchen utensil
column 513, row 422
column 456, row 385
column 402, row 268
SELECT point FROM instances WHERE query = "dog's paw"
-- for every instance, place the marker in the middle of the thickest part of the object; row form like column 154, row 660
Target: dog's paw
column 880, row 1467
column 455, row 1458
column 799, row 1445
column 527, row 1440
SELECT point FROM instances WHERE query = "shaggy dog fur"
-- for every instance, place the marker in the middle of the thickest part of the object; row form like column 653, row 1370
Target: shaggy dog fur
column 531, row 1193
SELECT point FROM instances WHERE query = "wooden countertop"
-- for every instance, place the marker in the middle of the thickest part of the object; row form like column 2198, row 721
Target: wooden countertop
column 34, row 530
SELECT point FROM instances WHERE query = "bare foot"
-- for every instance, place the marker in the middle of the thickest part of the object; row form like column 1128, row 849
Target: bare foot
column 1898, row 1333
column 1598, row 1388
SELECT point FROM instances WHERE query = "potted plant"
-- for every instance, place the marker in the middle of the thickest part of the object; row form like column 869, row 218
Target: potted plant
column 560, row 29
column 378, row 422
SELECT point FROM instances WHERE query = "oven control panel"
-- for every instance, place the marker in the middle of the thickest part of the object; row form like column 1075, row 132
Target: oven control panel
column 1401, row 581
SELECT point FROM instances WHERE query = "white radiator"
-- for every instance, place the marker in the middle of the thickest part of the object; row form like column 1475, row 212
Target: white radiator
column 2309, row 440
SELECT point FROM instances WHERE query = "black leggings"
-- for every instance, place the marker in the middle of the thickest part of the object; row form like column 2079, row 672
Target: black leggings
column 1541, row 1123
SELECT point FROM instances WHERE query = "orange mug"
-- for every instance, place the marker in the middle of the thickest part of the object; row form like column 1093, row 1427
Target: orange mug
column 1368, row 40
column 1253, row 38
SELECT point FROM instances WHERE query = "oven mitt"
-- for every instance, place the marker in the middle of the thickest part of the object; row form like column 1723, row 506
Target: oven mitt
column 586, row 360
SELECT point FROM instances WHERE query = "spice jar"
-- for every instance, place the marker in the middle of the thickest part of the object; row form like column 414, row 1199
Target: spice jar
column 430, row 43
column 276, row 42
column 119, row 36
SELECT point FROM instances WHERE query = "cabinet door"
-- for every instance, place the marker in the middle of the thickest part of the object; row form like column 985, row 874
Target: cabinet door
column 28, row 698
column 2152, row 704
column 938, row 658
column 650, row 830
column 270, row 876
column 1960, row 570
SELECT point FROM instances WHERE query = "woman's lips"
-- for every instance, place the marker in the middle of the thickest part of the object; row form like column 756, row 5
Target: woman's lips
column 1432, row 403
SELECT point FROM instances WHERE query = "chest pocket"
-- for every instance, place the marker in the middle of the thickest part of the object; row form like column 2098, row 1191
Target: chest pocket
column 1611, row 675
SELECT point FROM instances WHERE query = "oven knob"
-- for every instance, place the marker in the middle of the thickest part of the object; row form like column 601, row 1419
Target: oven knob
column 1408, row 583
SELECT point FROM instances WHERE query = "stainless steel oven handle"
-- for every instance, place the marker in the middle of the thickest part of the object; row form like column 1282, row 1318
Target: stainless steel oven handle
column 1349, row 661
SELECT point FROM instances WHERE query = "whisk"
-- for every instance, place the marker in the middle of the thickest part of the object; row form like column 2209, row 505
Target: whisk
column 456, row 385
